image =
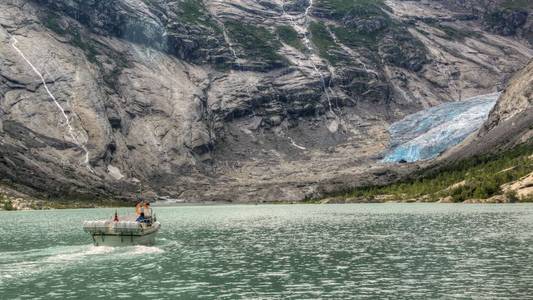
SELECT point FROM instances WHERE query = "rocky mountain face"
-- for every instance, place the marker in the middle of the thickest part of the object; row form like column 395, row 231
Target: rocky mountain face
column 234, row 100
column 510, row 122
column 504, row 17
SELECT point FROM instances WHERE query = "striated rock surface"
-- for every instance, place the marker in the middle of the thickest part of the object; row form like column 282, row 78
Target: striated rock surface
column 509, row 123
column 234, row 100
column 522, row 188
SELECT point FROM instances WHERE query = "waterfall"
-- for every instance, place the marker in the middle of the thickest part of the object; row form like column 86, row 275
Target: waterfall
column 230, row 44
column 71, row 130
column 307, row 43
column 350, row 51
column 296, row 145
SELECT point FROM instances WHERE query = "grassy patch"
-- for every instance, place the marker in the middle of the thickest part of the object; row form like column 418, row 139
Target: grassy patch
column 363, row 23
column 455, row 34
column 195, row 12
column 354, row 39
column 517, row 4
column 187, row 11
column 480, row 178
column 323, row 41
column 258, row 43
column 52, row 23
column 290, row 37
column 361, row 8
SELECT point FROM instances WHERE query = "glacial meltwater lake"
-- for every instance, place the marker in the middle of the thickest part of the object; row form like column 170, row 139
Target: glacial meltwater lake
column 394, row 251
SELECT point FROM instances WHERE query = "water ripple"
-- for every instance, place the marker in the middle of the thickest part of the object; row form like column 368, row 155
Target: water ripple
column 279, row 252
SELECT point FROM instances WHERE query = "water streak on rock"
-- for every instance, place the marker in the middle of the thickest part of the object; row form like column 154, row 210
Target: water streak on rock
column 71, row 130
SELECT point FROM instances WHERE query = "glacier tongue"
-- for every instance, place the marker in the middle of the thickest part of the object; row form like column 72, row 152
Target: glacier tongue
column 428, row 133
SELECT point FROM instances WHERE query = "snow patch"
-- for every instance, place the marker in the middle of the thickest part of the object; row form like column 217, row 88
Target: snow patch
column 115, row 172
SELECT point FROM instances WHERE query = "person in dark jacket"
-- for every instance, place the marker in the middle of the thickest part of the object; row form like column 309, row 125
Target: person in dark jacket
column 141, row 218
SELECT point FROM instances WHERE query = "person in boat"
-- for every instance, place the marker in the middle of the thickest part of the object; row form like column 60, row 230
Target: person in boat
column 139, row 208
column 141, row 218
column 147, row 210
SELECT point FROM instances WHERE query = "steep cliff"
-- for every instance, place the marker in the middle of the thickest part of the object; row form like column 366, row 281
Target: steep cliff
column 229, row 100
column 509, row 124
column 494, row 165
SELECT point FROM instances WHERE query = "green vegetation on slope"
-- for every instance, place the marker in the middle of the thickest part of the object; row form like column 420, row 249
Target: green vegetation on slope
column 479, row 177
column 258, row 43
column 290, row 37
column 77, row 38
column 323, row 41
column 456, row 34
column 364, row 21
column 188, row 11
column 354, row 38
column 365, row 25
column 360, row 8
column 6, row 203
column 517, row 4
column 52, row 22
column 195, row 12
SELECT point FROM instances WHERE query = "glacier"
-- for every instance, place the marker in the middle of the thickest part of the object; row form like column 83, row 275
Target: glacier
column 426, row 134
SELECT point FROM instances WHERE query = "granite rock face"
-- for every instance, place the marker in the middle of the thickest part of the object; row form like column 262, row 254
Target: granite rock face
column 504, row 17
column 510, row 122
column 235, row 100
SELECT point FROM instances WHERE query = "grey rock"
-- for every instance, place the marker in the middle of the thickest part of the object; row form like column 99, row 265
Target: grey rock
column 191, row 108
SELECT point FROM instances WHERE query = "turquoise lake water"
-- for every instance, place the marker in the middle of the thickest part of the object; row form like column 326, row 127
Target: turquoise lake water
column 410, row 251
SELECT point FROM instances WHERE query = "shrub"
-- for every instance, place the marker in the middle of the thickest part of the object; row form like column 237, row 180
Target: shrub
column 8, row 205
column 483, row 176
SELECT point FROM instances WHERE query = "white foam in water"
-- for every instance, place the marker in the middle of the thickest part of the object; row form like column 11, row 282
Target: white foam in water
column 146, row 250
column 76, row 256
column 30, row 263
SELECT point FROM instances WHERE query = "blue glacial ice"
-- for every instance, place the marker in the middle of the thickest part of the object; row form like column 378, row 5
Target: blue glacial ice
column 426, row 134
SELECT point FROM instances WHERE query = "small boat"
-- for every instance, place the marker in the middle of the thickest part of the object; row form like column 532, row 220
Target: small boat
column 126, row 232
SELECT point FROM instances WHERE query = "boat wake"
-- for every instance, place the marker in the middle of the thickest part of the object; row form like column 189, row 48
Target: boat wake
column 22, row 265
column 79, row 254
column 138, row 250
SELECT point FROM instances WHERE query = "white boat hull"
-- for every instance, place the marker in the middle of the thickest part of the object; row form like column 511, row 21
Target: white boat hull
column 124, row 240
column 113, row 235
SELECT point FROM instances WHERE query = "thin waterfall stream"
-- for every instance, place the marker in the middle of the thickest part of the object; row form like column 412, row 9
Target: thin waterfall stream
column 307, row 43
column 71, row 130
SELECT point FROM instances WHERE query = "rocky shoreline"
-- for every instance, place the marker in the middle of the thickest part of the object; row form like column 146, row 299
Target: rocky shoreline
column 498, row 199
column 20, row 204
column 12, row 200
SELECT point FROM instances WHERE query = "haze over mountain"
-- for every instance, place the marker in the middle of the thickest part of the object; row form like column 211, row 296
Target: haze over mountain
column 242, row 100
